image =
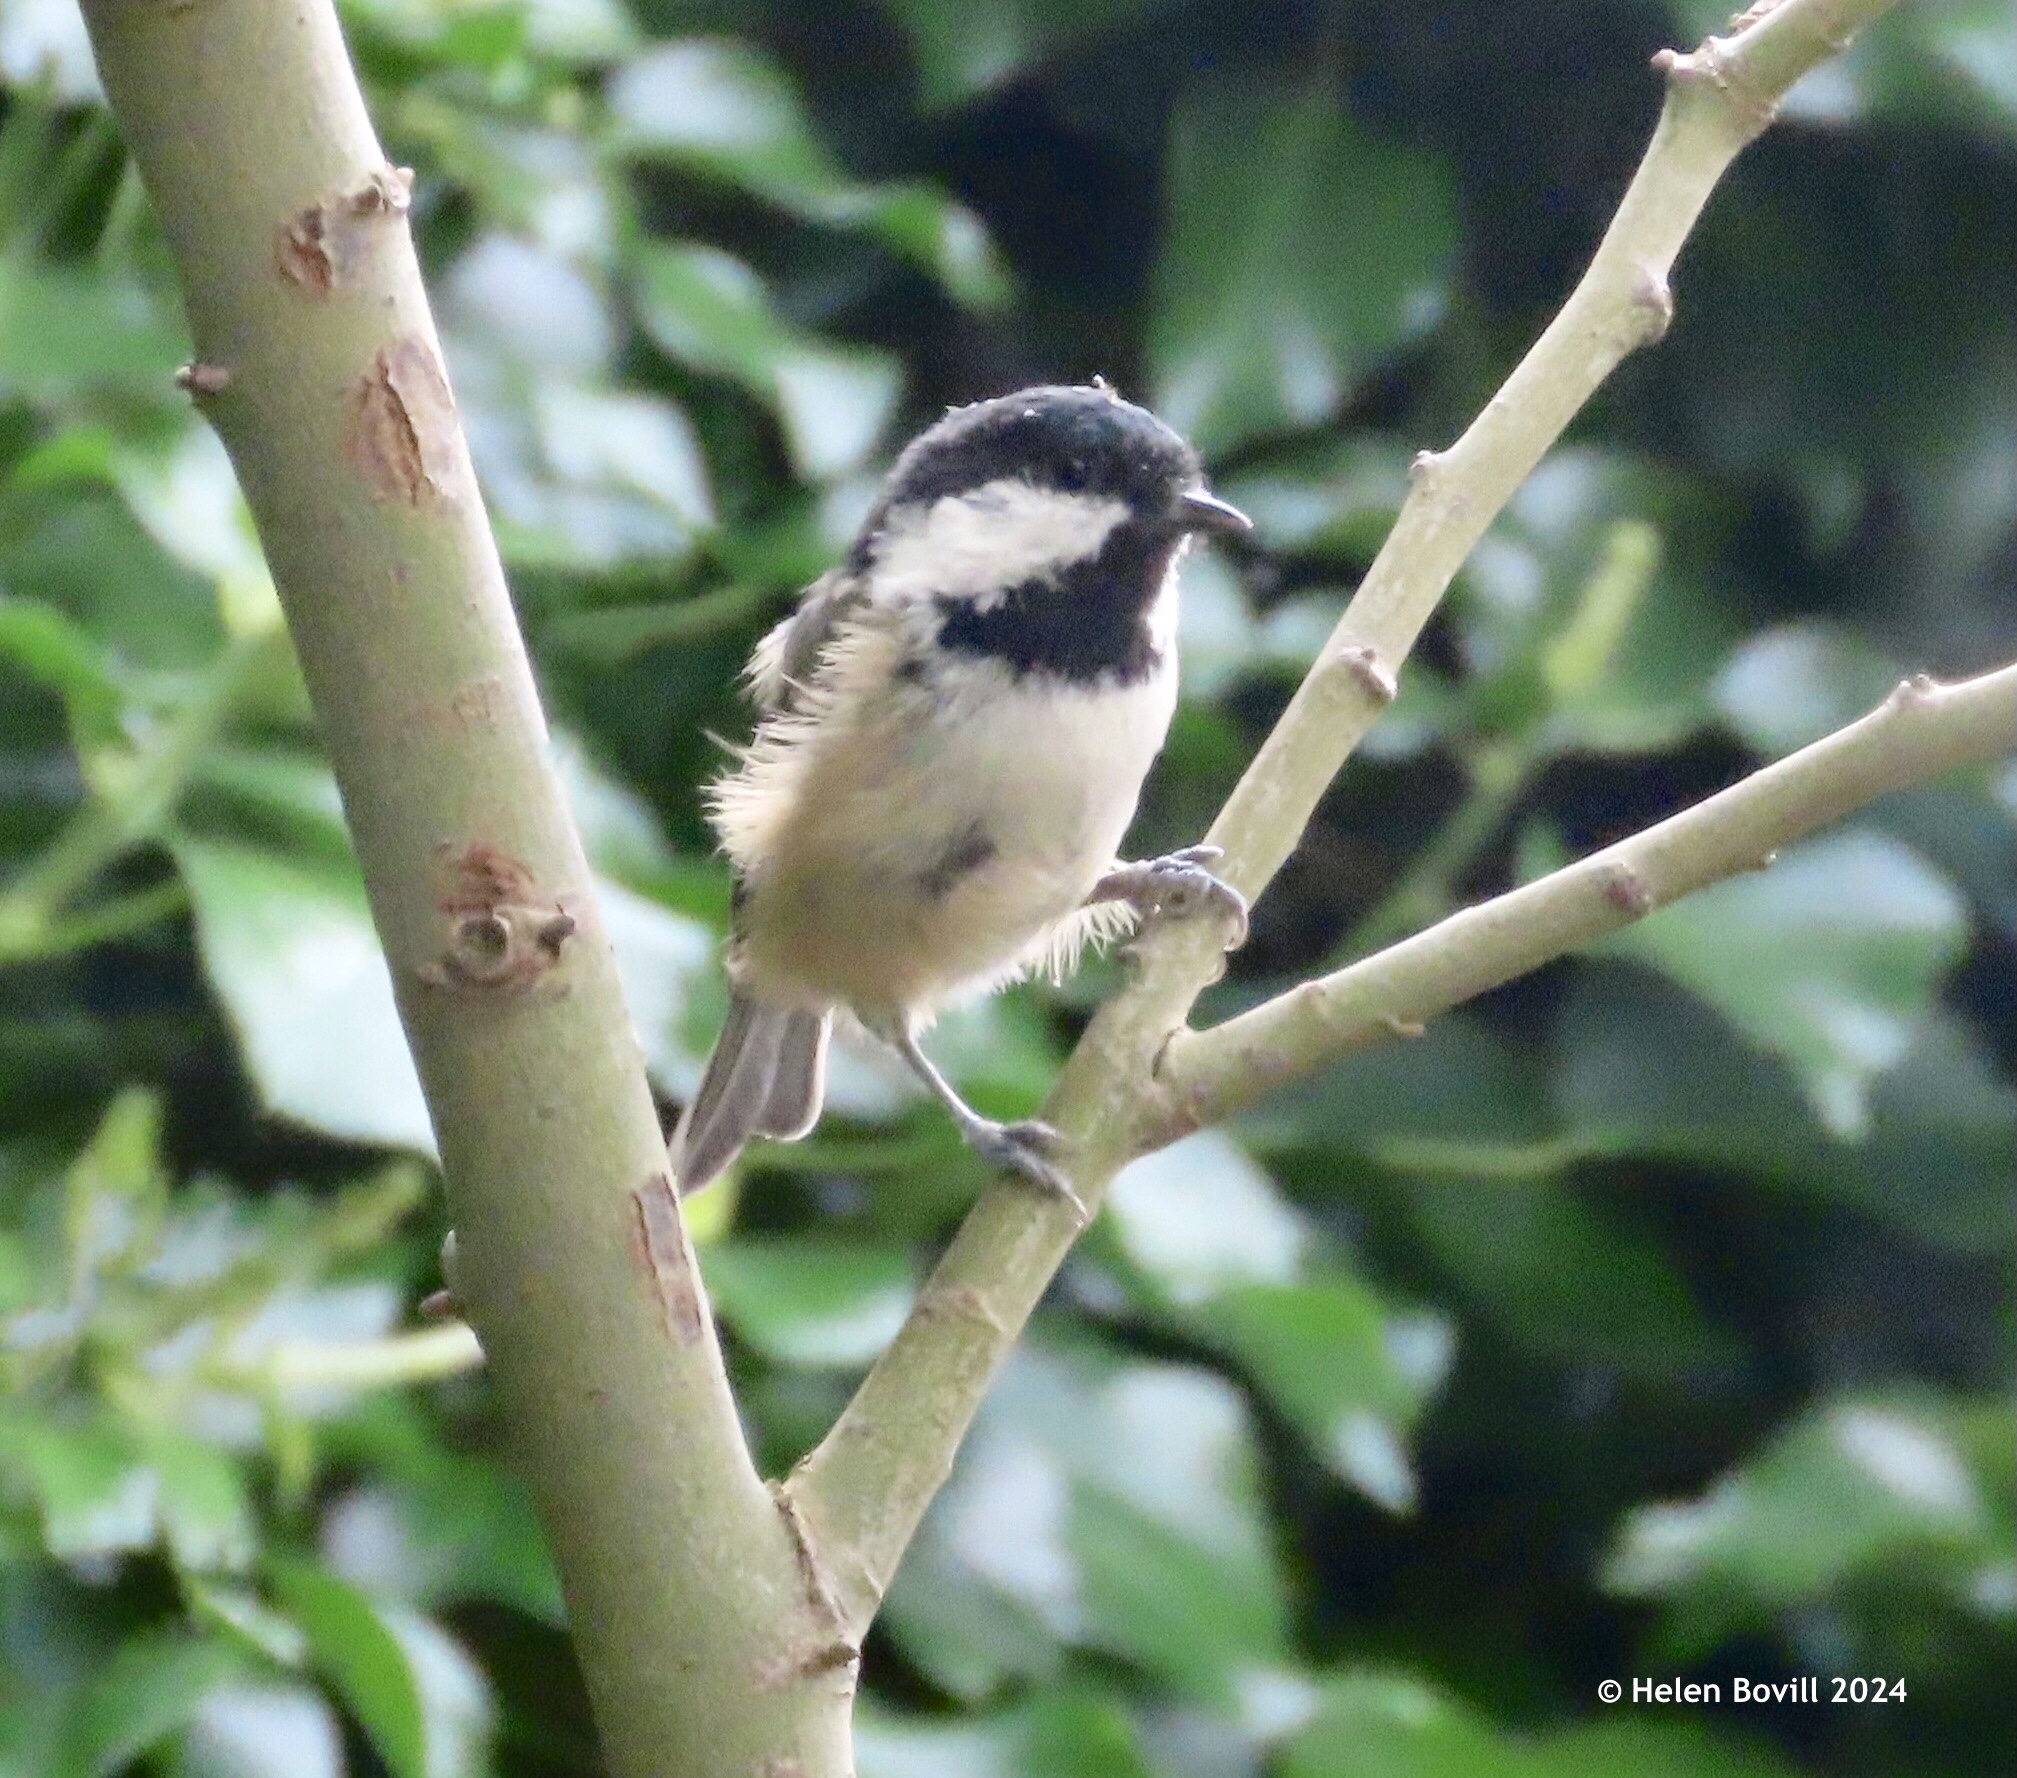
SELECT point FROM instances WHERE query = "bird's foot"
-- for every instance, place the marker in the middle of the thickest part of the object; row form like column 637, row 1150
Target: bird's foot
column 1027, row 1149
column 1178, row 886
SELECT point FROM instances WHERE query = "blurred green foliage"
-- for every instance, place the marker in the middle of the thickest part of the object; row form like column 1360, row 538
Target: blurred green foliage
column 1650, row 1318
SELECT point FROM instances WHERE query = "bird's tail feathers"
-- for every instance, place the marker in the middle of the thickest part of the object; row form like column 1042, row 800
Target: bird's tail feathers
column 766, row 1077
column 798, row 1085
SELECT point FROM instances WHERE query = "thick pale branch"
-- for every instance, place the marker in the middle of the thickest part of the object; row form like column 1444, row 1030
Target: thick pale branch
column 1920, row 731
column 705, row 1650
column 863, row 1490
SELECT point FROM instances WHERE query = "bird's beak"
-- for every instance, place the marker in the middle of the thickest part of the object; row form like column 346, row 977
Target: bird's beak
column 1199, row 510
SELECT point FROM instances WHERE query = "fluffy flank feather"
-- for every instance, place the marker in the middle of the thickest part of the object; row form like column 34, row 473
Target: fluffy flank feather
column 747, row 808
column 1057, row 952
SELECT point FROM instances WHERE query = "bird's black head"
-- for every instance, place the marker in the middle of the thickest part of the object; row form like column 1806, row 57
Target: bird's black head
column 1072, row 441
column 1043, row 525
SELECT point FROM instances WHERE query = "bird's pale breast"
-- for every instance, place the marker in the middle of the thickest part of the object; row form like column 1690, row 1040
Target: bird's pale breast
column 933, row 842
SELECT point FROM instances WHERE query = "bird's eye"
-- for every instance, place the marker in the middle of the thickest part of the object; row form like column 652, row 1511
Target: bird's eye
column 1073, row 474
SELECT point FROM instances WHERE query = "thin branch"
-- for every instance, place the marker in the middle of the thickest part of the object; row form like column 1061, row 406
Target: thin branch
column 862, row 1491
column 119, row 815
column 1921, row 730
column 424, row 1355
column 318, row 363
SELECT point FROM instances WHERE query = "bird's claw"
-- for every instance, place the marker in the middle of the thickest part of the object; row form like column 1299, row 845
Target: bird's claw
column 1181, row 886
column 1028, row 1150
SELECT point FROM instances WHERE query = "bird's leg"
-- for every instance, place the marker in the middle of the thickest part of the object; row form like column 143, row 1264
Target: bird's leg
column 1178, row 886
column 1024, row 1148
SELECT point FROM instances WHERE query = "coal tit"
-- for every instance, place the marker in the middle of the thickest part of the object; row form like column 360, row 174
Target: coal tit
column 955, row 725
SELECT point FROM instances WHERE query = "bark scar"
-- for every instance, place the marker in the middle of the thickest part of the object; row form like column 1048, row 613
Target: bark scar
column 313, row 248
column 1627, row 890
column 828, row 1648
column 399, row 425
column 304, row 251
column 658, row 1243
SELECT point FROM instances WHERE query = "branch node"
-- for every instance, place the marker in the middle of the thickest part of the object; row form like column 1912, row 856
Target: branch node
column 1713, row 69
column 1652, row 306
column 501, row 934
column 1913, row 691
column 1627, row 890
column 198, row 379
column 1362, row 661
column 444, row 1304
column 1396, row 1026
column 1423, row 465
column 1764, row 861
column 384, row 191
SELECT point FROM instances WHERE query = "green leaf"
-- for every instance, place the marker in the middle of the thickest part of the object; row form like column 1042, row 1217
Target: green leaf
column 1219, row 1257
column 1589, row 618
column 1273, row 298
column 149, row 1688
column 1646, row 1069
column 1442, row 1097
column 725, row 109
column 432, row 1525
column 263, row 1731
column 45, row 41
column 661, row 957
column 116, row 1191
column 1337, row 497
column 420, row 1699
column 1199, row 1217
column 64, row 330
column 1831, row 959
column 626, row 441
column 1349, row 1374
column 722, row 105
column 1563, row 1280
column 97, row 1497
column 206, row 1514
column 587, row 477
column 82, row 551
column 1071, row 1733
column 1399, row 1726
column 287, row 938
column 288, row 944
column 1395, row 1725
column 1116, row 1504
column 55, row 651
column 186, row 493
column 808, row 1301
column 965, row 51
column 245, row 1615
column 1857, row 1486
column 1787, row 686
column 707, row 309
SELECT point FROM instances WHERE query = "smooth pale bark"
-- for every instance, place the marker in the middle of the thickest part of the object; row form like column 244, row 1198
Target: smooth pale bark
column 707, row 1648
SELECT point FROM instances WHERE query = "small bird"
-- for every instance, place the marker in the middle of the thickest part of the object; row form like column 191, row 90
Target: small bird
column 953, row 731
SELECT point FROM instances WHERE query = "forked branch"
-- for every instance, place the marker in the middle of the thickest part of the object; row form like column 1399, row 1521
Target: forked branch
column 863, row 1490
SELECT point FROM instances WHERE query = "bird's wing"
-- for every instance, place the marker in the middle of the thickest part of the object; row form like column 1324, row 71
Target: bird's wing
column 785, row 659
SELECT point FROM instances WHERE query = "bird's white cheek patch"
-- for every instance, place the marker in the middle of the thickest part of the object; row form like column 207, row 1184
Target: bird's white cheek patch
column 979, row 544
